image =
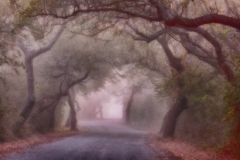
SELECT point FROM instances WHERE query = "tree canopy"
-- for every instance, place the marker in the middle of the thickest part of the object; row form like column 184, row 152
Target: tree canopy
column 164, row 40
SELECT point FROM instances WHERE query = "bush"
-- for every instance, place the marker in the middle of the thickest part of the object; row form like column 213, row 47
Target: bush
column 232, row 108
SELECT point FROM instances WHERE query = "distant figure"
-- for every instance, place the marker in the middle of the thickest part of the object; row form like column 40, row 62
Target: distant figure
column 98, row 111
column 78, row 108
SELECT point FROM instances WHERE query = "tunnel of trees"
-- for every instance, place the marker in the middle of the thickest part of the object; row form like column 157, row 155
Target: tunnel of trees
column 185, row 52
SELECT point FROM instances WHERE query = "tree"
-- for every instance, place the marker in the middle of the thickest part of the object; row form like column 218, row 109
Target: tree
column 29, row 56
column 74, row 103
column 181, row 103
column 218, row 58
column 180, row 18
column 169, row 13
column 191, row 47
column 64, row 90
column 80, row 70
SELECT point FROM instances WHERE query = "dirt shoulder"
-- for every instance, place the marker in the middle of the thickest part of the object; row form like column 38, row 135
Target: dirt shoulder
column 20, row 145
column 182, row 150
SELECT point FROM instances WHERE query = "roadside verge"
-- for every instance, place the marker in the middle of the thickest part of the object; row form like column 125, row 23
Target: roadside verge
column 182, row 150
column 20, row 145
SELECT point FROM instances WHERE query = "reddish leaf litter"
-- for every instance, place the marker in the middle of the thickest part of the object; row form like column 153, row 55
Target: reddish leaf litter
column 171, row 149
column 20, row 145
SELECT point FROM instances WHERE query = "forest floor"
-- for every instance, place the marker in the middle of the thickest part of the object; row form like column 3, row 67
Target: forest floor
column 18, row 146
column 184, row 150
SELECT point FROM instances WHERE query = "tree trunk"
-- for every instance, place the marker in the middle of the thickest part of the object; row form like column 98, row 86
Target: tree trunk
column 29, row 56
column 72, row 111
column 52, row 116
column 129, row 106
column 31, row 96
column 170, row 119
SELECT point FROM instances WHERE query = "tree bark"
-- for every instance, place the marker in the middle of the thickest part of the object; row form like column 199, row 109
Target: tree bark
column 170, row 119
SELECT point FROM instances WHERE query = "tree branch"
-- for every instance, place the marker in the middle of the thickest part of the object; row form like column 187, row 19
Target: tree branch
column 161, row 14
column 218, row 49
column 148, row 38
column 34, row 54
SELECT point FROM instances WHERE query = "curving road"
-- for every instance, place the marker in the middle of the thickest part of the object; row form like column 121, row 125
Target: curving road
column 102, row 141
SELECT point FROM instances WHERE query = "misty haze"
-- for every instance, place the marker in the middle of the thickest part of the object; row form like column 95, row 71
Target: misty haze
column 119, row 80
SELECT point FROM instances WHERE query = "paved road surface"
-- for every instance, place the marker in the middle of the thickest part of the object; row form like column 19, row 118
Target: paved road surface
column 102, row 141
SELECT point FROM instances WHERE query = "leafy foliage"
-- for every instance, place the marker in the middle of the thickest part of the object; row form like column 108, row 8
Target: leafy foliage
column 232, row 99
column 202, row 121
column 11, row 24
column 8, row 53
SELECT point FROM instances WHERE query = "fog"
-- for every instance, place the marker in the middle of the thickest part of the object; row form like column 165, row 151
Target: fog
column 109, row 103
column 101, row 101
column 112, row 109
column 124, row 63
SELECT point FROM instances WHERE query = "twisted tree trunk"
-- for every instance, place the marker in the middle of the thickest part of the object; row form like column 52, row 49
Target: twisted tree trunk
column 29, row 57
column 181, row 103
column 31, row 96
column 170, row 119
